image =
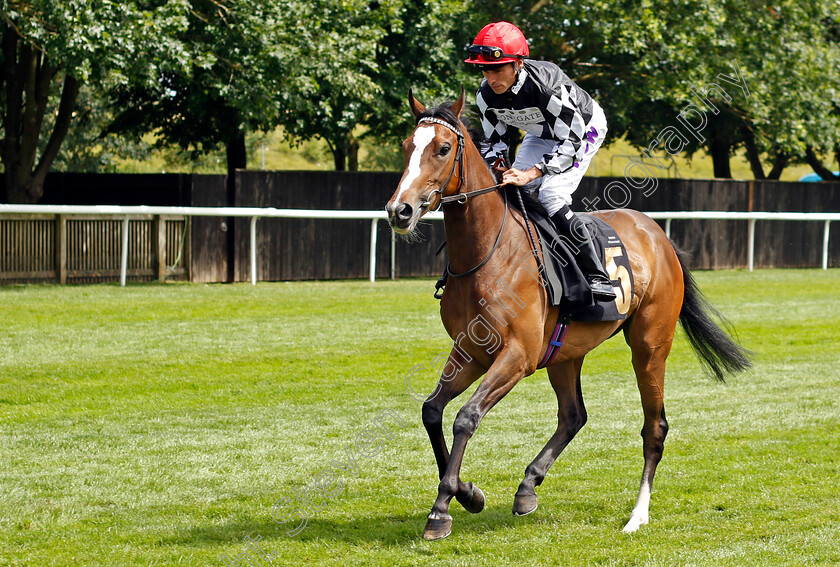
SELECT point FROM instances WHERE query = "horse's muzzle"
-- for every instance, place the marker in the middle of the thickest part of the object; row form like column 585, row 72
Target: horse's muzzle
column 400, row 216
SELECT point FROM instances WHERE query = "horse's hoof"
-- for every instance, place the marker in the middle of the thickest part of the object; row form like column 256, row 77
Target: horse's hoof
column 474, row 501
column 438, row 528
column 636, row 521
column 524, row 504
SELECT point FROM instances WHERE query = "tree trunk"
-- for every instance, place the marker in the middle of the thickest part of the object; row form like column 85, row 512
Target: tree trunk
column 719, row 150
column 27, row 77
column 779, row 165
column 345, row 151
column 753, row 155
column 237, row 158
column 353, row 155
column 339, row 157
column 818, row 167
column 69, row 94
column 237, row 153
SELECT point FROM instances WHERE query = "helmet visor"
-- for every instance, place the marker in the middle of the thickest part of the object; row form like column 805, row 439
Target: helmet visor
column 488, row 54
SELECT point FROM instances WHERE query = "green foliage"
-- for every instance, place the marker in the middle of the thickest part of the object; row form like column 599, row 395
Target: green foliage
column 85, row 148
column 233, row 71
column 418, row 54
column 318, row 68
column 201, row 74
column 795, row 78
column 361, row 62
column 105, row 41
column 51, row 50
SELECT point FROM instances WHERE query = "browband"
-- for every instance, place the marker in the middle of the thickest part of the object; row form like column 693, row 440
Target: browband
column 442, row 123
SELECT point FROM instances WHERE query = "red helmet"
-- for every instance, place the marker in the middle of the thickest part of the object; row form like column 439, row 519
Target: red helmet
column 497, row 43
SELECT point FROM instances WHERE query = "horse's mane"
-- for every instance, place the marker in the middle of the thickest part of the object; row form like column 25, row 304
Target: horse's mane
column 443, row 111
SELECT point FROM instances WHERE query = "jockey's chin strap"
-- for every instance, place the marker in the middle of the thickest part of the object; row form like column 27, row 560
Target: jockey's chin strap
column 458, row 197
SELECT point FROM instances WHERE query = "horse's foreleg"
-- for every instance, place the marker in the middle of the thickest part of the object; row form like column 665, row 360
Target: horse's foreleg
column 571, row 417
column 505, row 372
column 649, row 365
column 449, row 387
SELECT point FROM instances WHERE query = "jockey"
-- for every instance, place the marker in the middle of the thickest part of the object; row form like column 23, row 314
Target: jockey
column 564, row 128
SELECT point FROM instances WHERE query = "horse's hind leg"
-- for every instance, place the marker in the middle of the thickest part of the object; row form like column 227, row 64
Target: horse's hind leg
column 571, row 417
column 650, row 344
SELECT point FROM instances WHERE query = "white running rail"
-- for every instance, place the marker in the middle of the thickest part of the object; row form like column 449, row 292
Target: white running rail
column 255, row 213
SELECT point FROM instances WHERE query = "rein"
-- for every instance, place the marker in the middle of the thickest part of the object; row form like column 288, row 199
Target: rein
column 462, row 198
column 492, row 250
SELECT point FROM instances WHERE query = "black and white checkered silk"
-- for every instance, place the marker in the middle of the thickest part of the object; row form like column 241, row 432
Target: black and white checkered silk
column 544, row 102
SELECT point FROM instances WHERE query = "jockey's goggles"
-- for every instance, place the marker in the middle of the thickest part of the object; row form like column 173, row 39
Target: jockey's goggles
column 488, row 53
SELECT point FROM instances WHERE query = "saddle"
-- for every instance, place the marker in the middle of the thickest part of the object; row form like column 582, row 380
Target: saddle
column 565, row 283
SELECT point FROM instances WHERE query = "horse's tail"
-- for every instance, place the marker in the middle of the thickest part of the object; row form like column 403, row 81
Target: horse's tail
column 712, row 344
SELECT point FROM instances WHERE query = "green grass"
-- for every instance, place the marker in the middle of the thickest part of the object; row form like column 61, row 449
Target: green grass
column 159, row 425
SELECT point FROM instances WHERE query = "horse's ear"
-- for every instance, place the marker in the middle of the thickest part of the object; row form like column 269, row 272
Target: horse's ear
column 416, row 107
column 458, row 105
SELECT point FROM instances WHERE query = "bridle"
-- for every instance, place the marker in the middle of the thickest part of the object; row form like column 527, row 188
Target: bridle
column 457, row 197
column 461, row 198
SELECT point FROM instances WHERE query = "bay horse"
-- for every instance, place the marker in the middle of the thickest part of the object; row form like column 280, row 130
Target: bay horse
column 501, row 319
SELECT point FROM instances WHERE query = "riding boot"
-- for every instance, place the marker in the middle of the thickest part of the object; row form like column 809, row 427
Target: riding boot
column 586, row 256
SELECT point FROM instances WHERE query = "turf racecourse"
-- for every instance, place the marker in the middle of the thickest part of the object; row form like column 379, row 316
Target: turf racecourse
column 168, row 424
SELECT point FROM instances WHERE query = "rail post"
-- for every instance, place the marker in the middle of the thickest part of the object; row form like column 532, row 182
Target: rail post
column 61, row 248
column 124, row 252
column 751, row 244
column 254, row 250
column 373, row 225
column 393, row 255
column 159, row 240
column 826, row 235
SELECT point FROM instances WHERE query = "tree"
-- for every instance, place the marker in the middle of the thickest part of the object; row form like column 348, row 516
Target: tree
column 781, row 109
column 51, row 49
column 331, row 90
column 85, row 147
column 649, row 61
column 420, row 51
column 358, row 59
column 793, row 109
column 239, row 57
column 311, row 66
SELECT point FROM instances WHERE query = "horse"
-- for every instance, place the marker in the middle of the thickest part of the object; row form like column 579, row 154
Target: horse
column 501, row 319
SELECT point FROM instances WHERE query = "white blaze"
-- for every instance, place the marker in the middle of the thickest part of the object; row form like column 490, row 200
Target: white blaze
column 423, row 136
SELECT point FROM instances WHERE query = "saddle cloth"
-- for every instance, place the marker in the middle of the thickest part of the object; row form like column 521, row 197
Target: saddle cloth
column 563, row 279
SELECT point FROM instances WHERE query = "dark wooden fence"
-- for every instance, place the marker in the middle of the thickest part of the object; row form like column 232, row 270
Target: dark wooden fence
column 86, row 248
column 209, row 249
column 328, row 249
column 723, row 244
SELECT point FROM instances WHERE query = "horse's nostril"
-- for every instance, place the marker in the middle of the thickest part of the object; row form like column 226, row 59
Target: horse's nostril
column 404, row 211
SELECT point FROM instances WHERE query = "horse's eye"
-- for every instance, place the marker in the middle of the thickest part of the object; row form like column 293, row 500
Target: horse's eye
column 444, row 149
